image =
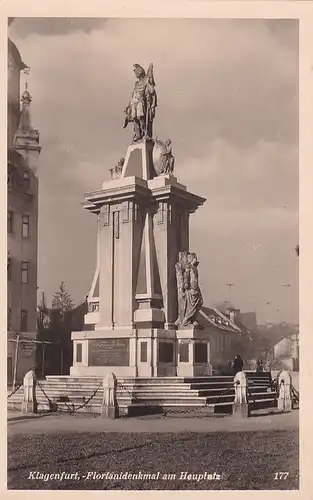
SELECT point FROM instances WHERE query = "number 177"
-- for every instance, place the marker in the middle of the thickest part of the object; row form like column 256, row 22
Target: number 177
column 281, row 475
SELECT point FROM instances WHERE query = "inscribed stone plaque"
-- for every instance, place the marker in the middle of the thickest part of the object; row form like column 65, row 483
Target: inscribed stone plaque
column 108, row 352
column 201, row 352
column 166, row 352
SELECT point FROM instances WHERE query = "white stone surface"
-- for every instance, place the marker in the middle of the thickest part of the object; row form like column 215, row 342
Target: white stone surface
column 241, row 385
column 29, row 404
column 284, row 380
column 109, row 408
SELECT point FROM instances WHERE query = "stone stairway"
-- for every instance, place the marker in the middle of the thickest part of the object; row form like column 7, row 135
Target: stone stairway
column 139, row 395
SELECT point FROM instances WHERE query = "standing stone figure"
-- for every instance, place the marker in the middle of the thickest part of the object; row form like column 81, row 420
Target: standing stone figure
column 163, row 158
column 141, row 109
column 168, row 158
column 180, row 267
column 189, row 294
column 116, row 171
column 194, row 299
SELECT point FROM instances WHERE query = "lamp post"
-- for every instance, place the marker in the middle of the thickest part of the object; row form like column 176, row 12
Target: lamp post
column 230, row 285
column 15, row 361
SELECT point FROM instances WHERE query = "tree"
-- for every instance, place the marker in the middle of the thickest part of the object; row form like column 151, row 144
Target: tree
column 61, row 327
column 62, row 301
column 43, row 318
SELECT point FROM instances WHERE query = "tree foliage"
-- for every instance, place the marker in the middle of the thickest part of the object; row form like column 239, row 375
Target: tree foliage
column 43, row 317
column 62, row 300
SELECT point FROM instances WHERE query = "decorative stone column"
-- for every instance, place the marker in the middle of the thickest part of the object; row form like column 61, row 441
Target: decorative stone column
column 173, row 205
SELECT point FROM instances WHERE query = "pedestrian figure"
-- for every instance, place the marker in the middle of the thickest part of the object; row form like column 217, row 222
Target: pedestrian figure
column 259, row 366
column 237, row 364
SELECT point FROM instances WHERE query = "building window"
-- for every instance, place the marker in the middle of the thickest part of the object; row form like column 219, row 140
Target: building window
column 26, row 181
column 10, row 221
column 23, row 320
column 25, row 226
column 25, row 269
column 9, row 369
column 9, row 319
column 9, row 269
column 79, row 353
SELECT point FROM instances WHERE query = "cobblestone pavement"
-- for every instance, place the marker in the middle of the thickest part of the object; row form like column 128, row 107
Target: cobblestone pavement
column 19, row 423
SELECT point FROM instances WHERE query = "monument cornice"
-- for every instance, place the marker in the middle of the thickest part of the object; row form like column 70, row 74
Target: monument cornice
column 172, row 193
column 117, row 191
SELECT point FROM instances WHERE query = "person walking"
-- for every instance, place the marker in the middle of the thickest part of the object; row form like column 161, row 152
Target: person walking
column 237, row 364
column 259, row 366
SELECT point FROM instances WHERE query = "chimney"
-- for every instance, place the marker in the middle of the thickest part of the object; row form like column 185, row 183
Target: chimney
column 232, row 313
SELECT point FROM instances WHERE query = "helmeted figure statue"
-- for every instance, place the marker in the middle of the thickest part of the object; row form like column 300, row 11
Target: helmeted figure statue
column 189, row 294
column 141, row 109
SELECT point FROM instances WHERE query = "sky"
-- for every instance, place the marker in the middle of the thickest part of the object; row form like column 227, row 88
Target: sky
column 228, row 100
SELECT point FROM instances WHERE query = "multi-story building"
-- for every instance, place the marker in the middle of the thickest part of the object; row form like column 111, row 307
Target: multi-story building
column 22, row 224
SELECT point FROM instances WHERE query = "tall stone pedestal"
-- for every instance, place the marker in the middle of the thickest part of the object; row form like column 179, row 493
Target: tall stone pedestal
column 143, row 223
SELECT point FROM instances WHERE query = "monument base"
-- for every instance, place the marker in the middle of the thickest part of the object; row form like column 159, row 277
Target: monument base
column 241, row 410
column 29, row 407
column 146, row 352
column 193, row 346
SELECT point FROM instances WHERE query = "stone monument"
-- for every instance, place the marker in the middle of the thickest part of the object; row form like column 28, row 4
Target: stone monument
column 141, row 321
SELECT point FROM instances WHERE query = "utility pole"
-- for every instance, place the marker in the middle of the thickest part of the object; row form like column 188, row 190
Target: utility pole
column 229, row 289
column 15, row 360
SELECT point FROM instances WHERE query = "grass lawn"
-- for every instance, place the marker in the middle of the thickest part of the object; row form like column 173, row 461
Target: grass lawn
column 244, row 460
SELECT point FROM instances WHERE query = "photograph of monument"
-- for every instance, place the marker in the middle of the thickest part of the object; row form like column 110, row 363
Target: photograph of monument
column 153, row 254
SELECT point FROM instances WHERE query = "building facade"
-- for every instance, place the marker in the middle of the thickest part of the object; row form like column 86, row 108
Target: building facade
column 22, row 224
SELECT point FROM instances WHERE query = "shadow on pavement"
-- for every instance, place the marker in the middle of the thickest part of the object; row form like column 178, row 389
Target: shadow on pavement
column 268, row 413
column 28, row 417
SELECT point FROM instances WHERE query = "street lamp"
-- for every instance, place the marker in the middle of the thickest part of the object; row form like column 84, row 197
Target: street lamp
column 229, row 289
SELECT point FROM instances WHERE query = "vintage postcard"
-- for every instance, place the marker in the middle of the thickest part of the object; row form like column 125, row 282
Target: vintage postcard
column 152, row 247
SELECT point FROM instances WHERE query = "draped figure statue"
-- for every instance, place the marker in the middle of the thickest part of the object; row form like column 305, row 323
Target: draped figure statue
column 189, row 294
column 180, row 269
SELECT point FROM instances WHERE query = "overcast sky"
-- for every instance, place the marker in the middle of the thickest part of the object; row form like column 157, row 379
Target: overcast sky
column 228, row 99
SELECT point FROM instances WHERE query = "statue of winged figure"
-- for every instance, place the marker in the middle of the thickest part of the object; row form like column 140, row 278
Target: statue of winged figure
column 141, row 108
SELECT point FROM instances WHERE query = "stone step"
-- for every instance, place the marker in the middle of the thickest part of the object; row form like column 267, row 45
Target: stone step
column 252, row 403
column 59, row 387
column 148, row 394
column 97, row 380
column 231, row 390
column 230, row 398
